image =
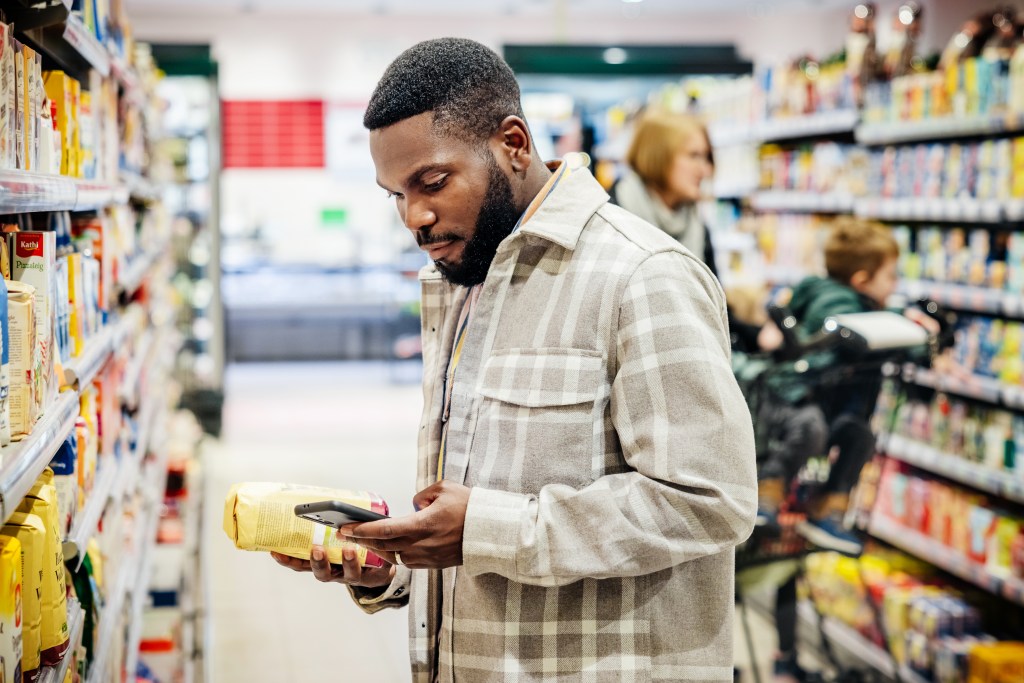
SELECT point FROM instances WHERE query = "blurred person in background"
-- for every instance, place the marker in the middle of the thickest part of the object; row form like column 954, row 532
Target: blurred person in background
column 669, row 159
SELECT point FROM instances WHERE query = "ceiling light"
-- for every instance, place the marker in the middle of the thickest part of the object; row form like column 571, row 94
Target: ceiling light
column 861, row 11
column 906, row 15
column 615, row 55
column 631, row 2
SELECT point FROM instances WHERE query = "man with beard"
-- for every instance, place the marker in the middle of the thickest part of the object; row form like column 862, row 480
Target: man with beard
column 586, row 460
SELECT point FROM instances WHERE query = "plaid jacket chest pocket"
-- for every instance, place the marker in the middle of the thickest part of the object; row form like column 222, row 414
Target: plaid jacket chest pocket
column 539, row 419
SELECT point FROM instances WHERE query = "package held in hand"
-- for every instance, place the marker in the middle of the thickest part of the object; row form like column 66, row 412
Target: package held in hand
column 261, row 516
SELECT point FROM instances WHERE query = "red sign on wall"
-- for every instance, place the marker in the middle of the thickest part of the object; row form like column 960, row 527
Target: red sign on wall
column 273, row 134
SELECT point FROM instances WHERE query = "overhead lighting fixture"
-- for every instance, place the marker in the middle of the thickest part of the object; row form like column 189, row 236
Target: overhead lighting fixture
column 632, row 2
column 861, row 11
column 615, row 55
column 906, row 15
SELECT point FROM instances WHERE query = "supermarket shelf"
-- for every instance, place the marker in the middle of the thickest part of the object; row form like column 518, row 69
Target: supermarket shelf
column 24, row 461
column 965, row 297
column 136, row 273
column 26, row 191
column 80, row 372
column 139, row 187
column 979, row 388
column 837, row 122
column 87, row 45
column 87, row 522
column 802, row 202
column 975, row 475
column 129, row 80
column 936, row 129
column 942, row 209
column 76, row 625
column 849, row 640
column 133, row 373
column 822, row 124
column 946, row 558
column 111, row 608
column 141, row 588
column 91, row 195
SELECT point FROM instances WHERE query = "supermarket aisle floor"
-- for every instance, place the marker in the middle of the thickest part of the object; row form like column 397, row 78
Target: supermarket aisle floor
column 339, row 425
column 336, row 425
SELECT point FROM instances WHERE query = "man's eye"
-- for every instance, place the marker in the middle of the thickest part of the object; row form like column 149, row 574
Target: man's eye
column 394, row 195
column 437, row 185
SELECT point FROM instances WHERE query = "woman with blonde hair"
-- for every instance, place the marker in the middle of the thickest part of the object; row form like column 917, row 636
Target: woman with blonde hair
column 669, row 159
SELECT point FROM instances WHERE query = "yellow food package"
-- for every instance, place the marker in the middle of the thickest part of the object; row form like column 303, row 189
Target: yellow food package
column 42, row 501
column 996, row 662
column 10, row 609
column 31, row 533
column 261, row 516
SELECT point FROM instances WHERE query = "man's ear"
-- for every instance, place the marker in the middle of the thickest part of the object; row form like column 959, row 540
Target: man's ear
column 513, row 140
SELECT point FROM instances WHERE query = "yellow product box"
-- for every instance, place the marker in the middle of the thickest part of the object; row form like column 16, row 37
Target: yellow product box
column 76, row 301
column 76, row 128
column 31, row 533
column 59, row 90
column 996, row 663
column 10, row 609
column 22, row 328
column 42, row 501
column 261, row 517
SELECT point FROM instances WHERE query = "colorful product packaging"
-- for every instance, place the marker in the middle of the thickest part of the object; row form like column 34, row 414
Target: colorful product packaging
column 261, row 517
column 31, row 533
column 10, row 609
column 42, row 501
column 65, row 479
column 5, row 367
column 22, row 355
column 34, row 262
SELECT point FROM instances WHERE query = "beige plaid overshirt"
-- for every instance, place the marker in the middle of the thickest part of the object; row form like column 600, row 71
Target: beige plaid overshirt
column 610, row 452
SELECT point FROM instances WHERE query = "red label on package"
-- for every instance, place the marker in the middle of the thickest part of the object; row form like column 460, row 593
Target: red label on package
column 27, row 245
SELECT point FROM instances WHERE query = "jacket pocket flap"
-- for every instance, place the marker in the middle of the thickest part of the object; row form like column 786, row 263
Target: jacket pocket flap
column 536, row 378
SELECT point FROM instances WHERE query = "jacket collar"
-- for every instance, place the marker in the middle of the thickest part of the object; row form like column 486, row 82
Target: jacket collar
column 568, row 206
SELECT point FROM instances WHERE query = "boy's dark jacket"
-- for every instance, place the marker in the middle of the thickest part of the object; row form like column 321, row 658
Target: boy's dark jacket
column 817, row 298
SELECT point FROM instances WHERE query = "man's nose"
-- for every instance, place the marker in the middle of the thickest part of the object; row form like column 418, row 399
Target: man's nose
column 419, row 215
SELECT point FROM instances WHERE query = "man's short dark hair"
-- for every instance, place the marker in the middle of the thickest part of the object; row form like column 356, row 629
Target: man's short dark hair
column 468, row 87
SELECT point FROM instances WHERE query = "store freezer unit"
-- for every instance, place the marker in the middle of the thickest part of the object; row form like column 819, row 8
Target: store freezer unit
column 329, row 315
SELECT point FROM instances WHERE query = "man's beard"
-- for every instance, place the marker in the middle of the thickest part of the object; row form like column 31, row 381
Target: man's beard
column 498, row 216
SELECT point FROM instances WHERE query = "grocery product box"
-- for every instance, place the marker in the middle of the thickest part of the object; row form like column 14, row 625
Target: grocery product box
column 59, row 89
column 34, row 262
column 22, row 353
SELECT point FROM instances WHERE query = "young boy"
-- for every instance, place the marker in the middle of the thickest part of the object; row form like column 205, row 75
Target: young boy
column 860, row 258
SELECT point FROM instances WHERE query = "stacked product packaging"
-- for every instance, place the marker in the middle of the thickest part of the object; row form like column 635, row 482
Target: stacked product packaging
column 930, row 627
column 51, row 123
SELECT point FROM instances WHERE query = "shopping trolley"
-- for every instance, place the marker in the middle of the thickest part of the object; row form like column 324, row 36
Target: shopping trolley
column 839, row 370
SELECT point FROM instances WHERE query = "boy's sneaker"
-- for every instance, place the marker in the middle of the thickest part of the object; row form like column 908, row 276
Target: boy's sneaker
column 829, row 533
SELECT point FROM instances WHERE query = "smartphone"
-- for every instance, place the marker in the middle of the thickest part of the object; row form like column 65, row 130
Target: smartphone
column 335, row 513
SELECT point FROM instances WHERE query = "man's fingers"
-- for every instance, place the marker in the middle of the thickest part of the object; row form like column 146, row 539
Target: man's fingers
column 427, row 496
column 320, row 565
column 384, row 529
column 350, row 564
column 292, row 563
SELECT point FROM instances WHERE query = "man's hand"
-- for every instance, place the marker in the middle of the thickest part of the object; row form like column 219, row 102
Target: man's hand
column 350, row 572
column 428, row 539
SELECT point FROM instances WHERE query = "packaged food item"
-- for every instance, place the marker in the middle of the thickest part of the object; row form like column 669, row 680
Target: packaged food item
column 65, row 479
column 34, row 262
column 22, row 326
column 261, row 517
column 10, row 609
column 5, row 367
column 31, row 533
column 42, row 501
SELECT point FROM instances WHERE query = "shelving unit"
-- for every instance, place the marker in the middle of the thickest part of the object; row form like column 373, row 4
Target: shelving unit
column 945, row 558
column 949, row 127
column 939, row 209
column 976, row 387
column 978, row 476
column 76, row 624
column 802, row 202
column 981, row 300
